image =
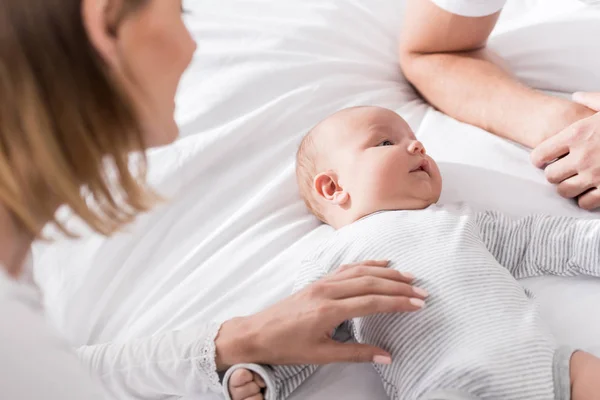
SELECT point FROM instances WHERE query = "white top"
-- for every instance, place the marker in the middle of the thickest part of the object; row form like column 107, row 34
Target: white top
column 471, row 8
column 179, row 363
column 36, row 364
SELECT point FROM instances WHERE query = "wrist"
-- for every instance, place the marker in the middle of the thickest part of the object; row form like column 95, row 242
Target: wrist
column 236, row 343
column 560, row 114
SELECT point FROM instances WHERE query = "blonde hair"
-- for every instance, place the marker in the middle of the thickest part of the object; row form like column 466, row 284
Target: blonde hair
column 306, row 171
column 63, row 117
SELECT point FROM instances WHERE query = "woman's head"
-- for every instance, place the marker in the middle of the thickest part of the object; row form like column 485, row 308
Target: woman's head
column 84, row 83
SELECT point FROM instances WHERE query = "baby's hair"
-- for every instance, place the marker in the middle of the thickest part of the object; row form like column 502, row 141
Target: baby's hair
column 306, row 163
column 306, row 170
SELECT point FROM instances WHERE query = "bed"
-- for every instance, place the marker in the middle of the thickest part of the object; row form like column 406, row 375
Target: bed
column 230, row 237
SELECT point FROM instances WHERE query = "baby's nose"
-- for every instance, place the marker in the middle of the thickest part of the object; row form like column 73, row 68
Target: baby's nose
column 416, row 147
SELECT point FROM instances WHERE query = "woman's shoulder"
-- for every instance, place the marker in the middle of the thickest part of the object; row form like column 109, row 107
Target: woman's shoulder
column 34, row 362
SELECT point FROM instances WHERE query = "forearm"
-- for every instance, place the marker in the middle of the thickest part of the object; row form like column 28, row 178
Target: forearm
column 542, row 245
column 475, row 88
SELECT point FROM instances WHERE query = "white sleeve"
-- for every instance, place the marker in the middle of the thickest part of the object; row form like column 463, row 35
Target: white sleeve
column 174, row 364
column 34, row 362
column 471, row 8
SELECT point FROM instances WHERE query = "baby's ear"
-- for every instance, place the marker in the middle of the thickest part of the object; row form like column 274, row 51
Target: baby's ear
column 327, row 187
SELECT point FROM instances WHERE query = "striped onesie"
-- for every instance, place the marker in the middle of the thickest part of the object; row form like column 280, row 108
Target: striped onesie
column 480, row 335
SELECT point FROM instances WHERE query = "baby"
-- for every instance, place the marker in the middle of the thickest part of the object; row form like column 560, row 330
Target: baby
column 363, row 172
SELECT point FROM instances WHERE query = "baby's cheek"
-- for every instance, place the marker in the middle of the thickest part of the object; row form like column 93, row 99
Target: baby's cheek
column 436, row 172
column 365, row 182
column 386, row 182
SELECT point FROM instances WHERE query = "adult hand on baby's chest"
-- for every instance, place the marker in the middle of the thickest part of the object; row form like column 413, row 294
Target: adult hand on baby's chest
column 576, row 171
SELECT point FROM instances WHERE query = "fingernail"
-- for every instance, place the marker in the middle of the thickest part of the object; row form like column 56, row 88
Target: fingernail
column 417, row 303
column 421, row 292
column 407, row 275
column 385, row 360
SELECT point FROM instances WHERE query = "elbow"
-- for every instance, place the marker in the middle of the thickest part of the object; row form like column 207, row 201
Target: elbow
column 416, row 61
column 413, row 64
column 407, row 61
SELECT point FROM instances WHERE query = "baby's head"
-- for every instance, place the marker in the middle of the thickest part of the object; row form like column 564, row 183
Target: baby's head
column 362, row 160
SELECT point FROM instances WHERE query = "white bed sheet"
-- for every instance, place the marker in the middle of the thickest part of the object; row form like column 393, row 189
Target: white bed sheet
column 228, row 241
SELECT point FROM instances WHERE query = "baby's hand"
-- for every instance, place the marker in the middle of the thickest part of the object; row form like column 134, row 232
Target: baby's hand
column 246, row 385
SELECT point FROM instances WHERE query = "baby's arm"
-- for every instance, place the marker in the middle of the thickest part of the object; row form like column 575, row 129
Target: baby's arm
column 542, row 245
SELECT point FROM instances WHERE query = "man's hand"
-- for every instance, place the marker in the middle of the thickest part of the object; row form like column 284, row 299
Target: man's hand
column 572, row 157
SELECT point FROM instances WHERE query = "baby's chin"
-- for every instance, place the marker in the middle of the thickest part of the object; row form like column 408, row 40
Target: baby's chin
column 436, row 192
column 423, row 204
column 422, row 201
column 431, row 195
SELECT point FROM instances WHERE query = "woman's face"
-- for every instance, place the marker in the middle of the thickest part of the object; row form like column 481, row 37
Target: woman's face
column 149, row 53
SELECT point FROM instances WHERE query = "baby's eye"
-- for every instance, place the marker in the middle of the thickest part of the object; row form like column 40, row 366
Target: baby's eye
column 385, row 143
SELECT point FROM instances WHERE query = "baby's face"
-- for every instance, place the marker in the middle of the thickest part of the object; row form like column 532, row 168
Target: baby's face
column 380, row 163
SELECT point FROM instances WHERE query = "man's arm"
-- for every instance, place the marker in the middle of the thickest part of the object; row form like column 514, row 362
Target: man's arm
column 445, row 57
column 541, row 244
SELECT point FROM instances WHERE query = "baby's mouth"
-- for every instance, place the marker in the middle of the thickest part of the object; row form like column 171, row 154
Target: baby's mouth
column 423, row 166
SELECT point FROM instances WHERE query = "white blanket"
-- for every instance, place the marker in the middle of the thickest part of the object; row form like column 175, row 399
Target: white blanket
column 228, row 241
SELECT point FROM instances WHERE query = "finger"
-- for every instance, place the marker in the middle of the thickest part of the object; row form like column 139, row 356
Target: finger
column 336, row 352
column 561, row 170
column 590, row 200
column 364, row 270
column 245, row 391
column 590, row 100
column 372, row 263
column 551, row 148
column 259, row 381
column 240, row 377
column 343, row 310
column 370, row 285
column 574, row 186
